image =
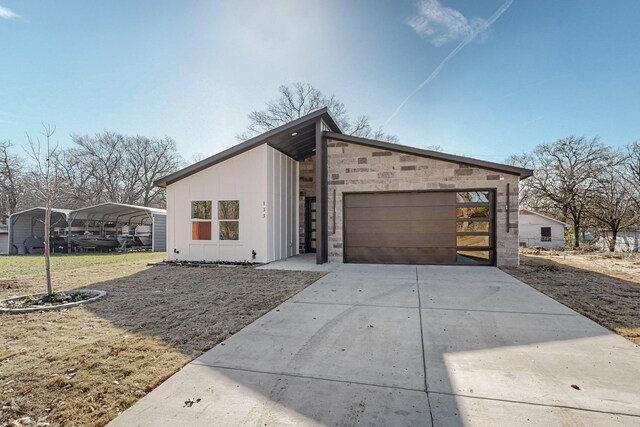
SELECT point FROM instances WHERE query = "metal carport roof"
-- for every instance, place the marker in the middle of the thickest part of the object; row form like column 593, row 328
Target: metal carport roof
column 116, row 212
column 64, row 212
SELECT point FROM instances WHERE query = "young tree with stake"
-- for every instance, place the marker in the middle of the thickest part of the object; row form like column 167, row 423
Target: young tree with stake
column 45, row 183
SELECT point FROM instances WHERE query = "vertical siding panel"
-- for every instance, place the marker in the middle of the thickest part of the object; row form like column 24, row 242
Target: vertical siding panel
column 296, row 206
column 269, row 200
column 159, row 233
column 283, row 208
column 290, row 209
column 276, row 206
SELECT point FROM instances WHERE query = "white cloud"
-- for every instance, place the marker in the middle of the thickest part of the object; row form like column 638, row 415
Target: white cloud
column 473, row 32
column 7, row 13
column 441, row 25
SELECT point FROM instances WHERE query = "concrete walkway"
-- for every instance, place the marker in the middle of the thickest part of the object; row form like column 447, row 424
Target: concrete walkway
column 407, row 346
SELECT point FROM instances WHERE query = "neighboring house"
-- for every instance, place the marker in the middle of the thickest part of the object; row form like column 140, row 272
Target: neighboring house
column 4, row 239
column 540, row 230
column 307, row 187
column 626, row 241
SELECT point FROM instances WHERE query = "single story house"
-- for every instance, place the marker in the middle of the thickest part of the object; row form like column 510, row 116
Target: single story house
column 537, row 229
column 307, row 187
column 626, row 241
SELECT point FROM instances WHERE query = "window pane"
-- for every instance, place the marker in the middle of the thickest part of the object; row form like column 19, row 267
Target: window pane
column 201, row 210
column 473, row 226
column 472, row 240
column 201, row 230
column 474, row 257
column 477, row 212
column 229, row 209
column 229, row 230
column 472, row 197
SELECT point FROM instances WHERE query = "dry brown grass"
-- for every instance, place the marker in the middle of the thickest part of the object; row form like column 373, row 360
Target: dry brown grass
column 604, row 288
column 82, row 366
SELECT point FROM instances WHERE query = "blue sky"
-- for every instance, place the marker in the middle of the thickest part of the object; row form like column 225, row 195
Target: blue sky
column 193, row 70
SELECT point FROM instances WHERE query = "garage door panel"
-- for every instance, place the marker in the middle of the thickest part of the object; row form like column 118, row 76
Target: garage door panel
column 399, row 200
column 412, row 228
column 401, row 212
column 400, row 226
column 402, row 255
column 400, row 240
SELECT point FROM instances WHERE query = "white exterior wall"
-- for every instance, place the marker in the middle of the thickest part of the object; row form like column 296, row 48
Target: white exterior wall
column 242, row 177
column 282, row 206
column 530, row 235
column 626, row 241
column 265, row 182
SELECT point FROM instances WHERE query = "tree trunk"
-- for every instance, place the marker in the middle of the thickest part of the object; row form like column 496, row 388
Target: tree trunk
column 576, row 236
column 47, row 238
column 612, row 241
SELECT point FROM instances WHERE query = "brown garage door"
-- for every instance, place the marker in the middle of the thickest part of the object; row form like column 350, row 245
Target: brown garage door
column 419, row 228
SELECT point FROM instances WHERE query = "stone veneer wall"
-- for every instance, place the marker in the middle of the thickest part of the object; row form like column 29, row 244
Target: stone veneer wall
column 358, row 168
column 307, row 189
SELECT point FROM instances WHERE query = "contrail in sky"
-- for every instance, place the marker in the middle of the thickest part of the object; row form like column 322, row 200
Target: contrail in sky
column 502, row 9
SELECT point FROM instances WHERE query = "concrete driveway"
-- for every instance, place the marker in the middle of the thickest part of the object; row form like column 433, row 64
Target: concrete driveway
column 407, row 346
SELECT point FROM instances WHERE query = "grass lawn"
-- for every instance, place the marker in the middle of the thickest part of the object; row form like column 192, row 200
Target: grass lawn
column 602, row 287
column 25, row 265
column 82, row 366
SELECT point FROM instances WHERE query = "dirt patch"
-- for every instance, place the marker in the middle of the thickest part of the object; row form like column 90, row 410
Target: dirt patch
column 606, row 289
column 84, row 365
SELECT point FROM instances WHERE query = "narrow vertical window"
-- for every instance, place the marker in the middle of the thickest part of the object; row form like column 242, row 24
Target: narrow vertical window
column 201, row 220
column 229, row 219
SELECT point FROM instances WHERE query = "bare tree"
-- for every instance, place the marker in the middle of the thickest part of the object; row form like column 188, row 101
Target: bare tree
column 112, row 167
column 11, row 180
column 300, row 99
column 149, row 160
column 45, row 182
column 79, row 182
column 632, row 171
column 565, row 178
column 104, row 156
column 612, row 206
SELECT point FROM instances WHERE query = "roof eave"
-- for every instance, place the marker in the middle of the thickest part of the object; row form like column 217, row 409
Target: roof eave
column 256, row 141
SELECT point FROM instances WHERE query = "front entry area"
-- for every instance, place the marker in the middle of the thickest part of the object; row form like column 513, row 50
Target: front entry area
column 310, row 224
column 438, row 227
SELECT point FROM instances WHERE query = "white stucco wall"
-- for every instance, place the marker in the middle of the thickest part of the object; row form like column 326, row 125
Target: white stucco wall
column 529, row 230
column 265, row 182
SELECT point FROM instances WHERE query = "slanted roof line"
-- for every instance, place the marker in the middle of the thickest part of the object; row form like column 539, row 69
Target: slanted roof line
column 65, row 212
column 322, row 113
column 513, row 170
column 543, row 216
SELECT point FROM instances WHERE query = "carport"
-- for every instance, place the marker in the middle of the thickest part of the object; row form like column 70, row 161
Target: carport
column 27, row 227
column 123, row 214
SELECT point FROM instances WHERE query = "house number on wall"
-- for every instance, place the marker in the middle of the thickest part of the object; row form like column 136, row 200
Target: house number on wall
column 264, row 209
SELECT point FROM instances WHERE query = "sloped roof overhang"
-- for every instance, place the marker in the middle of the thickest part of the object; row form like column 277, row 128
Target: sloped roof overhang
column 295, row 139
